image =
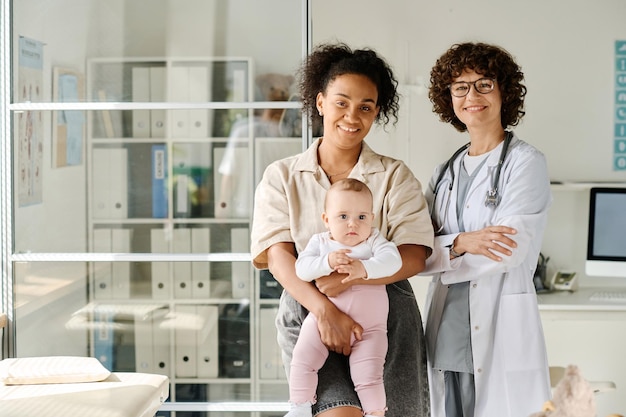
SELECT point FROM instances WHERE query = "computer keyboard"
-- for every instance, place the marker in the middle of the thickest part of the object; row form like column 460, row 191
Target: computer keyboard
column 609, row 296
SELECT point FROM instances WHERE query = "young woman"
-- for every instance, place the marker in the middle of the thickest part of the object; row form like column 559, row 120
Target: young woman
column 349, row 90
column 489, row 205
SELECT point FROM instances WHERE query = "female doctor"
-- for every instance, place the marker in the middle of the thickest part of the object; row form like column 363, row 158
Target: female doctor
column 489, row 206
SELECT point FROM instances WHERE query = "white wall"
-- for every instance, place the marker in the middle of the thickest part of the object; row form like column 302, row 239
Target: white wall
column 566, row 50
column 59, row 222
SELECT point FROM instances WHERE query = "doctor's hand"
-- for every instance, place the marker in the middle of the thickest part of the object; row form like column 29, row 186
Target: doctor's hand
column 490, row 242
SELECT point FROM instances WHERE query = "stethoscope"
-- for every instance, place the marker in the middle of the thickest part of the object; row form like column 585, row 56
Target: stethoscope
column 492, row 199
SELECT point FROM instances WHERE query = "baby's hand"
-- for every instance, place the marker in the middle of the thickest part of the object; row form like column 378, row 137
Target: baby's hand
column 355, row 270
column 339, row 257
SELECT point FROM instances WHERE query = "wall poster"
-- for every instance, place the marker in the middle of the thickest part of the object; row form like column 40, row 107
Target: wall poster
column 68, row 126
column 30, row 123
column 619, row 152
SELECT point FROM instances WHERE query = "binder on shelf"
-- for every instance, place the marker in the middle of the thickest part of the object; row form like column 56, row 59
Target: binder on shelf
column 270, row 361
column 187, row 323
column 200, row 271
column 157, row 95
column 102, row 270
column 207, row 342
column 183, row 204
column 193, row 180
column 268, row 150
column 239, row 85
column 268, row 286
column 107, row 120
column 232, row 181
column 103, row 338
column 144, row 342
column 234, row 341
column 161, row 343
column 198, row 93
column 110, row 183
column 141, row 93
column 182, row 269
column 159, row 181
column 120, row 279
column 240, row 271
column 178, row 91
column 160, row 279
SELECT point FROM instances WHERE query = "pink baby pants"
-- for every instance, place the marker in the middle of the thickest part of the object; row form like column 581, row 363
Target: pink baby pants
column 368, row 305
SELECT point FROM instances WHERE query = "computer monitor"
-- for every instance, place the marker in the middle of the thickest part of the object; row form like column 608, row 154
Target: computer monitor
column 606, row 240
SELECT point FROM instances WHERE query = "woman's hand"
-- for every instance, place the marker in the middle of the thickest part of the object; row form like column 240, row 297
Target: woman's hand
column 336, row 330
column 488, row 242
column 332, row 285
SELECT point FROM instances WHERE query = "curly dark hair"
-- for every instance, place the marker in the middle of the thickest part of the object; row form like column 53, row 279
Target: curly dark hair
column 488, row 60
column 328, row 61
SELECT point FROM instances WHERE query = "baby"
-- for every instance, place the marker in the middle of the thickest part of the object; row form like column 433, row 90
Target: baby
column 353, row 247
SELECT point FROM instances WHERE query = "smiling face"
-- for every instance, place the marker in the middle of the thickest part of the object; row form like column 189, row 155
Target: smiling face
column 349, row 109
column 349, row 216
column 478, row 110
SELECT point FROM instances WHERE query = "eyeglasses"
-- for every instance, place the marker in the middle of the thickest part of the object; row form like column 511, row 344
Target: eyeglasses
column 482, row 85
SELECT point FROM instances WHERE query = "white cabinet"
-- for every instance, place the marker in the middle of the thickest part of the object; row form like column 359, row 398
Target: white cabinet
column 591, row 336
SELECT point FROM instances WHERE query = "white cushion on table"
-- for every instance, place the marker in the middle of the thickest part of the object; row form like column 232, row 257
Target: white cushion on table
column 51, row 370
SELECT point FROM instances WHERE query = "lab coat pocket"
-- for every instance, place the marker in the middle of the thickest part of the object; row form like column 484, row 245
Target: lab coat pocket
column 520, row 332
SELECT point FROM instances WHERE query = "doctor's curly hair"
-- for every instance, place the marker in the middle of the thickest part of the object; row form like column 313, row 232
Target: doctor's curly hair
column 488, row 60
column 329, row 61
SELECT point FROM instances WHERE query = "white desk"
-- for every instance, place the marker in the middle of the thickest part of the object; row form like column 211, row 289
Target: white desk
column 120, row 395
column 579, row 301
column 591, row 335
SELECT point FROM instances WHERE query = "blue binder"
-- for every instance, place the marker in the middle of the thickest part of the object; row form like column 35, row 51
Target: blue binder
column 159, row 181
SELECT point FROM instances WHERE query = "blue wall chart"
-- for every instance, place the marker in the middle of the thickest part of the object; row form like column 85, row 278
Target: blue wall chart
column 619, row 149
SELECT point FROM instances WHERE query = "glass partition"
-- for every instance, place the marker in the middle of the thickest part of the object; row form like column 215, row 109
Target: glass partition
column 138, row 132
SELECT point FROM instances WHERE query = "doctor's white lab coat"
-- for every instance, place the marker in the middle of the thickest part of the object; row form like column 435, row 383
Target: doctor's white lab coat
column 510, row 361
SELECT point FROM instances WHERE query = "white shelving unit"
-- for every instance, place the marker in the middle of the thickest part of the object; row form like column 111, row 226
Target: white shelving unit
column 173, row 166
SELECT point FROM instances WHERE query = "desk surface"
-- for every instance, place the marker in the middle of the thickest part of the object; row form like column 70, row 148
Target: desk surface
column 120, row 395
column 579, row 300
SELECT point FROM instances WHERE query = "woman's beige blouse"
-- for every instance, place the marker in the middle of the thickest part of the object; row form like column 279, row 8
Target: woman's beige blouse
column 289, row 201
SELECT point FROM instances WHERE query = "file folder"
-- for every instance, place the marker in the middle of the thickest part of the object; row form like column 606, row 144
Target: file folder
column 120, row 239
column 182, row 269
column 159, row 181
column 110, row 183
column 144, row 341
column 102, row 270
column 268, row 150
column 178, row 92
column 232, row 181
column 157, row 95
column 160, row 279
column 103, row 338
column 141, row 93
column 182, row 206
column 207, row 342
column 161, row 344
column 187, row 323
column 240, row 271
column 200, row 271
column 198, row 93
column 270, row 361
column 234, row 342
